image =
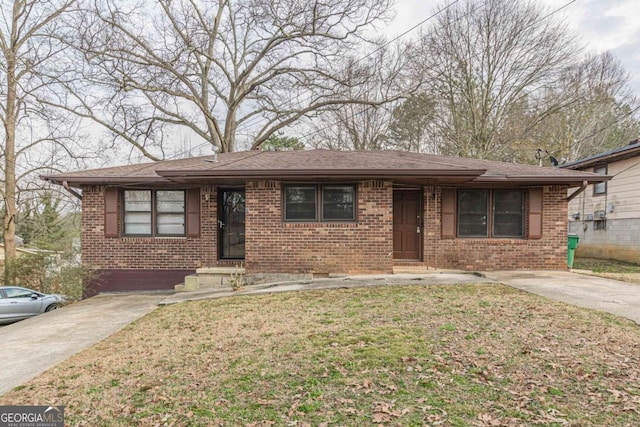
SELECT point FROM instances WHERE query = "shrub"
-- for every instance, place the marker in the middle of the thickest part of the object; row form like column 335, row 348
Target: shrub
column 49, row 273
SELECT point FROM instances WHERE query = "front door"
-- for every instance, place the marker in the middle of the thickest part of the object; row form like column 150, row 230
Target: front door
column 407, row 224
column 231, row 224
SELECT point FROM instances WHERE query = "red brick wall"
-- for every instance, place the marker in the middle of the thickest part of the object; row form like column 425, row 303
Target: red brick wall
column 273, row 246
column 164, row 253
column 366, row 246
column 547, row 253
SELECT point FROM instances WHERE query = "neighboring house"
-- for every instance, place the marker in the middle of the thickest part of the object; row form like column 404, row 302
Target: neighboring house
column 606, row 216
column 48, row 262
column 319, row 212
column 22, row 251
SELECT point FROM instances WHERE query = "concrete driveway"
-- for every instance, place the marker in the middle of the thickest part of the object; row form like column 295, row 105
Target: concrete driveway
column 613, row 296
column 32, row 346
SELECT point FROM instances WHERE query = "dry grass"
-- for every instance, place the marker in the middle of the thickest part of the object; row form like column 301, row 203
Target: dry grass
column 442, row 355
column 611, row 269
column 606, row 266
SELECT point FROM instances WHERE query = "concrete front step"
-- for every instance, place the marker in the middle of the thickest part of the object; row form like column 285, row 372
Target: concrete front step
column 412, row 269
column 212, row 278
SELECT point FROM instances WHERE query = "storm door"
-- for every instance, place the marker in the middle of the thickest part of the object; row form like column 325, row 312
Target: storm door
column 231, row 224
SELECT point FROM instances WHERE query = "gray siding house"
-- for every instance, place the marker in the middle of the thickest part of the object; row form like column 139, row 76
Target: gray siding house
column 606, row 216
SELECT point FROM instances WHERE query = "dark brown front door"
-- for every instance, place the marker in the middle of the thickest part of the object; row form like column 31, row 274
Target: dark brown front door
column 407, row 221
column 231, row 224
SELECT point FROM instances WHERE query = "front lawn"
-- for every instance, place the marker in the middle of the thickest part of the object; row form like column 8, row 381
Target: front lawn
column 413, row 355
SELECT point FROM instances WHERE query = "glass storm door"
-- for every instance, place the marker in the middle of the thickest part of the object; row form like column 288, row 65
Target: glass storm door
column 231, row 224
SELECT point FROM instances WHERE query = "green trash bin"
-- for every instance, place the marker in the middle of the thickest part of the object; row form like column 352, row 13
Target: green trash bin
column 571, row 248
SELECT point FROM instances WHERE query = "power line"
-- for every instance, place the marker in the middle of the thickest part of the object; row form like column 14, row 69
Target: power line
column 626, row 116
column 367, row 108
column 472, row 57
column 257, row 119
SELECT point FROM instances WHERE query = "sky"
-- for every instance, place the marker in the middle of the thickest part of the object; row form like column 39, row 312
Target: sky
column 601, row 25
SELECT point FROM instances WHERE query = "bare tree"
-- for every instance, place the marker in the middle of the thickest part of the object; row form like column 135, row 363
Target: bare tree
column 351, row 127
column 602, row 116
column 381, row 77
column 217, row 67
column 481, row 61
column 33, row 134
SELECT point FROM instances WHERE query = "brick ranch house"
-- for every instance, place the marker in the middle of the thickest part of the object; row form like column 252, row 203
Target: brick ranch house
column 318, row 212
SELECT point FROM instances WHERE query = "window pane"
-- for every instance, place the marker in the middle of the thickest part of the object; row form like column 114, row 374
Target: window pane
column 139, row 200
column 170, row 201
column 137, row 212
column 137, row 223
column 508, row 213
column 338, row 203
column 600, row 187
column 300, row 203
column 170, row 212
column 17, row 293
column 170, row 224
column 472, row 213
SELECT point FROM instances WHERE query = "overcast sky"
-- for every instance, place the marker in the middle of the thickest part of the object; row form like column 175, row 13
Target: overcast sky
column 600, row 24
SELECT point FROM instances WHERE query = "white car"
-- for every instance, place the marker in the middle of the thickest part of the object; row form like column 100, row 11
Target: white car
column 20, row 303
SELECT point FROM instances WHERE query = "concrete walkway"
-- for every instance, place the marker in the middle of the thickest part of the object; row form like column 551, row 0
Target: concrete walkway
column 613, row 296
column 439, row 278
column 32, row 346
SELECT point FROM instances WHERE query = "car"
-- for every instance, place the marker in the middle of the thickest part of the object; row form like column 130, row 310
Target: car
column 18, row 303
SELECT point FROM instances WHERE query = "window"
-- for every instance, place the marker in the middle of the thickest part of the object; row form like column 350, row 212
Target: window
column 310, row 203
column 600, row 224
column 472, row 213
column 137, row 212
column 490, row 213
column 170, row 213
column 338, row 203
column 18, row 293
column 145, row 208
column 600, row 187
column 300, row 204
column 508, row 215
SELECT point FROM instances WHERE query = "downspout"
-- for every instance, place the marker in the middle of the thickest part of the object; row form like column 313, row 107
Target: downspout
column 65, row 184
column 578, row 191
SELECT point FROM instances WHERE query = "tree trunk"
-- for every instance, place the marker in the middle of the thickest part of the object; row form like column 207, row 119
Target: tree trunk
column 10, row 172
column 229, row 142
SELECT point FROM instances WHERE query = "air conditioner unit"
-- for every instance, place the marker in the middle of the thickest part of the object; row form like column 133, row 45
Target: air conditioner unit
column 599, row 215
column 589, row 217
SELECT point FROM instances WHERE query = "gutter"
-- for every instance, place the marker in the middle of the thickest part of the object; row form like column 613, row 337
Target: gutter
column 578, row 191
column 538, row 179
column 65, row 184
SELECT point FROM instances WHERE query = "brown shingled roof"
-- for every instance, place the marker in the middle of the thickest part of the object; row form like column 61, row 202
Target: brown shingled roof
column 399, row 166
